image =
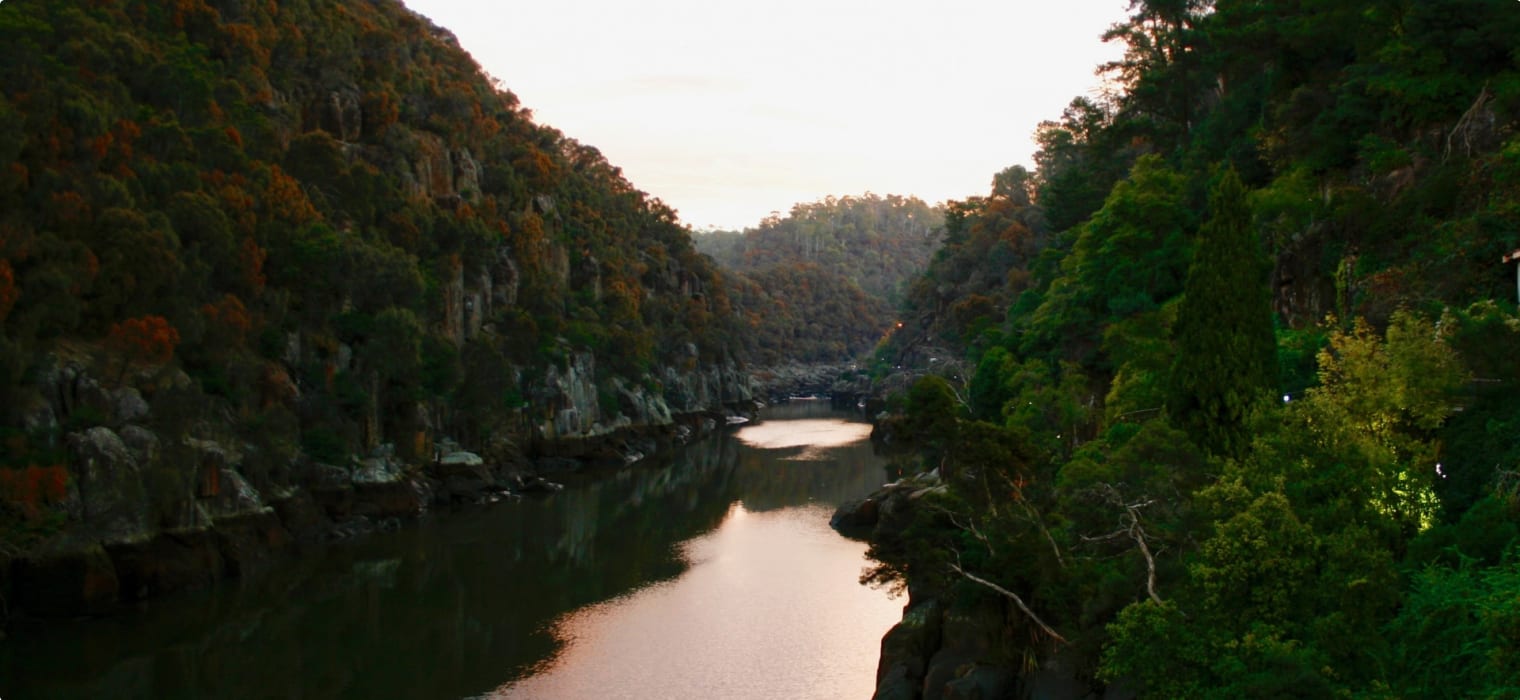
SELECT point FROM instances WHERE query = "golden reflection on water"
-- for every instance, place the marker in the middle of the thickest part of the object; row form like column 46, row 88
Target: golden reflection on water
column 814, row 434
column 770, row 607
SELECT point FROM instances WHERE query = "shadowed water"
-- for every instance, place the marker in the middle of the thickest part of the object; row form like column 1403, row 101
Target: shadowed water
column 711, row 574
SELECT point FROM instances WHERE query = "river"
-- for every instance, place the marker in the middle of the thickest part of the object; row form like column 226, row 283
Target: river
column 711, row 573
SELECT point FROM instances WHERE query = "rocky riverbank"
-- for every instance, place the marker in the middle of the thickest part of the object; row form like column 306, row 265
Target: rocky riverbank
column 142, row 505
column 845, row 385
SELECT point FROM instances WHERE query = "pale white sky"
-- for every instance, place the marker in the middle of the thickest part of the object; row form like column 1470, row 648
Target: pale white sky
column 729, row 111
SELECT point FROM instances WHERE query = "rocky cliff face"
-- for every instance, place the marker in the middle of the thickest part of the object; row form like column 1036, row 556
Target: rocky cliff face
column 315, row 274
column 151, row 508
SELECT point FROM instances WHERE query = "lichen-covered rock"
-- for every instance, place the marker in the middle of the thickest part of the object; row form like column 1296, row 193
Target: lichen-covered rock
column 433, row 168
column 461, row 458
column 130, row 406
column 114, row 506
column 37, row 415
column 142, row 443
column 236, row 497
column 377, row 471
column 467, row 175
column 463, row 476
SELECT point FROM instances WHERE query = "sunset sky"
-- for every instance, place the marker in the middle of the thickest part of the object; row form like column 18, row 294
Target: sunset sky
column 730, row 111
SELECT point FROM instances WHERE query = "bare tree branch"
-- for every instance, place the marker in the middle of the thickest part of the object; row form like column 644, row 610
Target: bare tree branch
column 1129, row 524
column 1011, row 596
column 1138, row 533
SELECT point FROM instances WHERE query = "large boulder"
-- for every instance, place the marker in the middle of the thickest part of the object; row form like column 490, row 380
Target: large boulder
column 856, row 519
column 907, row 648
column 142, row 443
column 114, row 505
column 130, row 405
column 968, row 639
column 463, row 474
column 378, row 470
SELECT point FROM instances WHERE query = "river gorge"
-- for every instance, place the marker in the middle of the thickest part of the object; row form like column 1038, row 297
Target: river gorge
column 710, row 572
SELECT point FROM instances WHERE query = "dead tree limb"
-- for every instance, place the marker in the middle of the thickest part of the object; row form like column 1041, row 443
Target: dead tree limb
column 1129, row 525
column 1466, row 125
column 1138, row 533
column 1013, row 597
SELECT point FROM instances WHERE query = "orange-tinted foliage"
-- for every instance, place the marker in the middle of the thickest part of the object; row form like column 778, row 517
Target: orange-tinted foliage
column 245, row 37
column 8, row 291
column 252, row 257
column 145, row 338
column 230, row 313
column 34, row 487
column 69, row 207
column 285, row 200
column 101, row 145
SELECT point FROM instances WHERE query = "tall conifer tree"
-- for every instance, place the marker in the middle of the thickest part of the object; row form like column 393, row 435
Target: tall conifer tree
column 1226, row 350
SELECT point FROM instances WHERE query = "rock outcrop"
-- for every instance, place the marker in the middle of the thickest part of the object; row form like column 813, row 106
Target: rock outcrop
column 145, row 514
column 938, row 651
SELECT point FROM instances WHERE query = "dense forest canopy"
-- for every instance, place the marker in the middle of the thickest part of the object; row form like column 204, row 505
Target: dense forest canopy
column 312, row 228
column 1243, row 411
column 821, row 284
column 1241, row 423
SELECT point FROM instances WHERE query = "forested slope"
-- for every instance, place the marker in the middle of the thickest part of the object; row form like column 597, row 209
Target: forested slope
column 242, row 243
column 1243, row 423
column 821, row 284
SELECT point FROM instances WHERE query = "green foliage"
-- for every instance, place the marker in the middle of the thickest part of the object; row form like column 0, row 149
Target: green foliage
column 980, row 271
column 1130, row 258
column 1459, row 631
column 805, row 312
column 991, row 386
column 878, row 243
column 323, row 444
column 819, row 284
column 1225, row 364
column 1375, row 163
column 930, row 416
column 338, row 189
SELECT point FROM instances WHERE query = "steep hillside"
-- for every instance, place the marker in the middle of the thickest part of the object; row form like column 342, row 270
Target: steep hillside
column 879, row 243
column 1241, row 423
column 244, row 244
column 821, row 284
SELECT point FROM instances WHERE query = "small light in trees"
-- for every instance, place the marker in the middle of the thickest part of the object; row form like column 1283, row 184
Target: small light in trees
column 1287, row 398
column 1439, row 472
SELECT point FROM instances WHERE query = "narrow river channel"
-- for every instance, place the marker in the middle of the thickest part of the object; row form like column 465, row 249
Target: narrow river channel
column 711, row 574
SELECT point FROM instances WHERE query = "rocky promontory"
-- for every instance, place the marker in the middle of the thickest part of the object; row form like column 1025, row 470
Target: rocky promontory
column 939, row 650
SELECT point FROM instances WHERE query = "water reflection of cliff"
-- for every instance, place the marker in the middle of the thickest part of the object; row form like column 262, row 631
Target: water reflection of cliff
column 451, row 607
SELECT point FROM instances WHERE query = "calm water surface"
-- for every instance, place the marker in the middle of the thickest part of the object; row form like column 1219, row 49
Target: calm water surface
column 713, row 574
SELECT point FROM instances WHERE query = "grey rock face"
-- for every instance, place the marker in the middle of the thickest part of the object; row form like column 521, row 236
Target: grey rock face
column 110, row 481
column 130, row 406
